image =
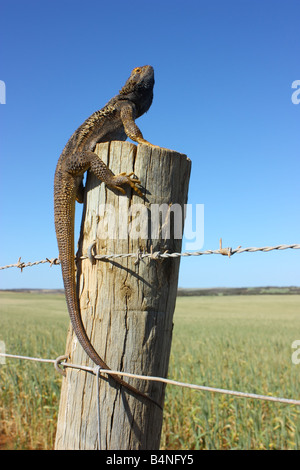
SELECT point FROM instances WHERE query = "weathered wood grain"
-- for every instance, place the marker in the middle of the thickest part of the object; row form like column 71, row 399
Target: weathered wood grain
column 127, row 307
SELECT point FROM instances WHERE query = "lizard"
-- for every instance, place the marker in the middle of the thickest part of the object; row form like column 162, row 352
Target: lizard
column 115, row 121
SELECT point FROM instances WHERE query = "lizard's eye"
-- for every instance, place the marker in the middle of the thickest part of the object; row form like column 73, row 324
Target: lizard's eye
column 137, row 70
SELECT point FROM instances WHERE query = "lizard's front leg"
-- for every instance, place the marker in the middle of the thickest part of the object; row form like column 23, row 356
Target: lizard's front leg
column 130, row 127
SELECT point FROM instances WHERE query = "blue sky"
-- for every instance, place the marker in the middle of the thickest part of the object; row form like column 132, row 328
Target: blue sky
column 223, row 70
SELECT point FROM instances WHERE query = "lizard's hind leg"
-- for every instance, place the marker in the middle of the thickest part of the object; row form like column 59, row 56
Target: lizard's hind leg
column 79, row 162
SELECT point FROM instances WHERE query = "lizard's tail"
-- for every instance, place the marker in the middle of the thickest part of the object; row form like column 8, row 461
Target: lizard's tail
column 80, row 332
column 65, row 239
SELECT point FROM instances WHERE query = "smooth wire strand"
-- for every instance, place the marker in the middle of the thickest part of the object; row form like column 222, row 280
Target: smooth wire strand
column 98, row 370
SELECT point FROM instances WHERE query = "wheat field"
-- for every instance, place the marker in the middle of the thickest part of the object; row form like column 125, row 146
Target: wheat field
column 235, row 342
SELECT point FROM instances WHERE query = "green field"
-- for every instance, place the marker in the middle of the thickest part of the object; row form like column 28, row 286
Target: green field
column 234, row 342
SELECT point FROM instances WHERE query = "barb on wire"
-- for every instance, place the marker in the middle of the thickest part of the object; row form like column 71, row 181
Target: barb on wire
column 157, row 255
column 23, row 265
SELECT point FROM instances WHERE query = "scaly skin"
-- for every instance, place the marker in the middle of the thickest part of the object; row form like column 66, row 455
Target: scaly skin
column 115, row 121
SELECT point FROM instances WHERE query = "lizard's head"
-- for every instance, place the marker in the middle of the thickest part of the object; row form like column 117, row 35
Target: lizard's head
column 139, row 88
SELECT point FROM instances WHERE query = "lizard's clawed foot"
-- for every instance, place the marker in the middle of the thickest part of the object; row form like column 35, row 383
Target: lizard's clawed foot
column 145, row 142
column 123, row 178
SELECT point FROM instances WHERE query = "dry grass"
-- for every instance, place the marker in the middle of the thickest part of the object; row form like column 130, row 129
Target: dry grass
column 238, row 342
column 31, row 325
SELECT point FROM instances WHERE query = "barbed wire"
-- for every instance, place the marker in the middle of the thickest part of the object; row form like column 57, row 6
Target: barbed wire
column 155, row 255
column 58, row 362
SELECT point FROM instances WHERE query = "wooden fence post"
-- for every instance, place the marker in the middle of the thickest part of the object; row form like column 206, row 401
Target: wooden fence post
column 127, row 304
